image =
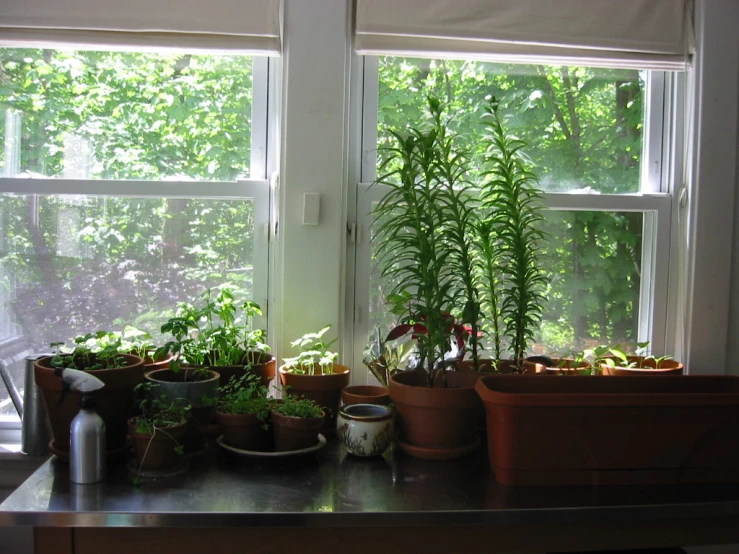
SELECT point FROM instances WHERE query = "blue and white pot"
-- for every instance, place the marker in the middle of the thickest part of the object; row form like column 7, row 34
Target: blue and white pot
column 366, row 429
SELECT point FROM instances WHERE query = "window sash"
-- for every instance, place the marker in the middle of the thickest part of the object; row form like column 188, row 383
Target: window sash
column 655, row 201
column 257, row 189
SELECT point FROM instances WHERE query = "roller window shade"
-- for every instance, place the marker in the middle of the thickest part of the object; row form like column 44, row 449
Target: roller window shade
column 643, row 34
column 229, row 25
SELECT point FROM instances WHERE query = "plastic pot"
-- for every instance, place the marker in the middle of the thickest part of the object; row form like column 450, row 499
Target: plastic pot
column 586, row 430
column 198, row 393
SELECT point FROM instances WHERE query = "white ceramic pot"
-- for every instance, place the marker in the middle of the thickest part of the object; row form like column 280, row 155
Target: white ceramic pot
column 366, row 429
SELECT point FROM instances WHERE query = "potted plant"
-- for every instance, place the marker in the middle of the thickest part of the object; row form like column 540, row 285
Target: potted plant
column 417, row 234
column 120, row 373
column 509, row 242
column 315, row 375
column 296, row 423
column 190, row 381
column 218, row 335
column 612, row 360
column 243, row 411
column 158, row 431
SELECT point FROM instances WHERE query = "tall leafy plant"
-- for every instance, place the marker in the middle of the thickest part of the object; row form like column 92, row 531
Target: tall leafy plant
column 510, row 238
column 423, row 231
column 412, row 251
column 459, row 209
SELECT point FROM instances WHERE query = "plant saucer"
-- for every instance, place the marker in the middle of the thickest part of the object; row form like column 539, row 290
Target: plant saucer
column 272, row 454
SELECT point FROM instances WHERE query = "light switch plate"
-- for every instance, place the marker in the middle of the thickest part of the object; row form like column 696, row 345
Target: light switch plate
column 311, row 208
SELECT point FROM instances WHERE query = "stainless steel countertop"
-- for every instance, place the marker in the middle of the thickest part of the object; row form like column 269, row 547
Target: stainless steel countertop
column 331, row 488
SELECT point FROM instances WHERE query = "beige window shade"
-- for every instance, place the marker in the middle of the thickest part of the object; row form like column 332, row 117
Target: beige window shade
column 230, row 25
column 645, row 34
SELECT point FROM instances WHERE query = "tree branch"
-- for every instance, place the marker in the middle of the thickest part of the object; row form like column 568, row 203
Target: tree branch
column 553, row 96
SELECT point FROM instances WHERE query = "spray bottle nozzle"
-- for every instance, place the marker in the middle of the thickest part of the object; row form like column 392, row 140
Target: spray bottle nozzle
column 76, row 380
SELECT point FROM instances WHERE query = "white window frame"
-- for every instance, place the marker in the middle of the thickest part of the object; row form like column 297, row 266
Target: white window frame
column 256, row 189
column 655, row 201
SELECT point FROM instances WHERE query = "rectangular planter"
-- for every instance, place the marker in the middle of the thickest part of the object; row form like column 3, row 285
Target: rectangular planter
column 612, row 431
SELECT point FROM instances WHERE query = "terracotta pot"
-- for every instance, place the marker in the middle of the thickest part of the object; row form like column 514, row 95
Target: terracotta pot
column 597, row 431
column 365, row 394
column 245, row 431
column 156, row 453
column 485, row 366
column 263, row 366
column 324, row 390
column 436, row 423
column 645, row 366
column 197, row 393
column 366, row 429
column 151, row 365
column 295, row 433
column 115, row 401
column 564, row 366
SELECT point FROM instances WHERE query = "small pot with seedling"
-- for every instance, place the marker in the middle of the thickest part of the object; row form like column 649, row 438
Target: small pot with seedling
column 243, row 412
column 315, row 375
column 217, row 334
column 115, row 401
column 296, row 423
column 612, row 360
column 157, row 433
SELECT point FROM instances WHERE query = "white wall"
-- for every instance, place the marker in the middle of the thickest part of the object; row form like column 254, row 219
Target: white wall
column 313, row 159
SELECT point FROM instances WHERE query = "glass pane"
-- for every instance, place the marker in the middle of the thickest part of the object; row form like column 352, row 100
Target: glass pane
column 76, row 264
column 584, row 126
column 593, row 265
column 593, row 260
column 125, row 115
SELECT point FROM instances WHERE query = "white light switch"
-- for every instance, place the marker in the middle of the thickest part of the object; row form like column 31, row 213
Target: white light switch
column 311, row 208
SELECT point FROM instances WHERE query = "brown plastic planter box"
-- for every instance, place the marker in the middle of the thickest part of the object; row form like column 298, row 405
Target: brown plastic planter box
column 606, row 431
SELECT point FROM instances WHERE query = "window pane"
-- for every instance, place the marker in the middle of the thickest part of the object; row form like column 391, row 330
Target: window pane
column 584, row 126
column 76, row 264
column 123, row 115
column 593, row 260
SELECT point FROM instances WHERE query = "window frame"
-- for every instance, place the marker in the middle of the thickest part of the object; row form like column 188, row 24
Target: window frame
column 659, row 170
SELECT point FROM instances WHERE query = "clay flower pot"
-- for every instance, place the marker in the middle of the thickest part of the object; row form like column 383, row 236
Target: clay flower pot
column 644, row 366
column 437, row 423
column 245, row 432
column 295, row 433
column 115, row 403
column 324, row 390
column 264, row 366
column 365, row 394
column 485, row 366
column 366, row 429
column 156, row 453
column 564, row 366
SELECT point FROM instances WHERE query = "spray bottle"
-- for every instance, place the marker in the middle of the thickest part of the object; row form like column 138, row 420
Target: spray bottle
column 87, row 433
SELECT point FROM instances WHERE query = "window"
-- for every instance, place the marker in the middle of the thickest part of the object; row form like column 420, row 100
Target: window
column 599, row 148
column 131, row 181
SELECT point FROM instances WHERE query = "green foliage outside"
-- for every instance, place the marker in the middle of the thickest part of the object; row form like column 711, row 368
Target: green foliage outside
column 76, row 262
column 584, row 129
